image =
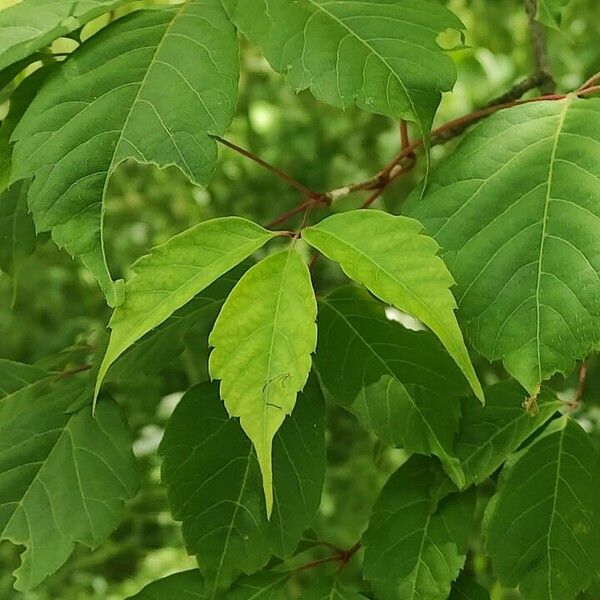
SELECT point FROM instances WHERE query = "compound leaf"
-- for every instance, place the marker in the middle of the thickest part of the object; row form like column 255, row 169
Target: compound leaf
column 381, row 55
column 542, row 526
column 413, row 548
column 515, row 210
column 263, row 339
column 214, row 484
column 401, row 384
column 32, row 24
column 173, row 273
column 151, row 86
column 489, row 434
column 63, row 476
column 395, row 261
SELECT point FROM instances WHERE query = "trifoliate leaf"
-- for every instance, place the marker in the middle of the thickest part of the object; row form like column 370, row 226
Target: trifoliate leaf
column 173, row 273
column 63, row 476
column 398, row 263
column 263, row 339
column 415, row 547
column 32, row 24
column 214, row 484
column 381, row 55
column 489, row 434
column 191, row 324
column 515, row 210
column 542, row 526
column 465, row 588
column 151, row 86
column 401, row 384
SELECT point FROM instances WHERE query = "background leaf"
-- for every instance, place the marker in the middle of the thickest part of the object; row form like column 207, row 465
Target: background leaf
column 401, row 384
column 413, row 549
column 543, row 524
column 173, row 273
column 63, row 476
column 465, row 588
column 519, row 229
column 152, row 86
column 214, row 484
column 381, row 55
column 489, row 434
column 32, row 24
column 549, row 12
column 263, row 339
column 395, row 261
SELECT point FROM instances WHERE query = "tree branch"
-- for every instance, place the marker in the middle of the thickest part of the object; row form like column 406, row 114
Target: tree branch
column 538, row 46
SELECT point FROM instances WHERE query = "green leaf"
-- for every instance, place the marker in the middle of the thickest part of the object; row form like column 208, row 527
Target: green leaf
column 17, row 232
column 152, row 86
column 397, row 263
column 414, row 549
column 173, row 273
column 514, row 210
column 191, row 324
column 214, row 485
column 381, row 55
column 263, row 339
column 549, row 12
column 401, row 384
column 30, row 25
column 542, row 526
column 465, row 588
column 190, row 585
column 332, row 590
column 63, row 476
column 489, row 434
column 15, row 377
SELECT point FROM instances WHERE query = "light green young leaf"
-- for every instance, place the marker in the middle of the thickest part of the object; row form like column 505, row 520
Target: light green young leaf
column 489, row 434
column 542, row 526
column 549, row 12
column 192, row 323
column 263, row 339
column 398, row 263
column 63, row 476
column 515, row 210
column 17, row 232
column 381, row 55
column 401, row 384
column 32, row 24
column 465, row 588
column 413, row 549
column 173, row 273
column 214, row 484
column 190, row 585
column 152, row 87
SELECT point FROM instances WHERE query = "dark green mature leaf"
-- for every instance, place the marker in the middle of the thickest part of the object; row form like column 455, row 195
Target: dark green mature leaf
column 63, row 476
column 395, row 261
column 549, row 12
column 215, row 489
column 542, row 526
column 465, row 588
column 173, row 273
column 381, row 54
column 515, row 210
column 263, row 339
column 33, row 24
column 192, row 323
column 152, row 86
column 190, row 585
column 489, row 434
column 17, row 232
column 401, row 384
column 413, row 548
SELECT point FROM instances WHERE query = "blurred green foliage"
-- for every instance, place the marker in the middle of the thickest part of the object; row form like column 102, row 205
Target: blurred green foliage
column 56, row 304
